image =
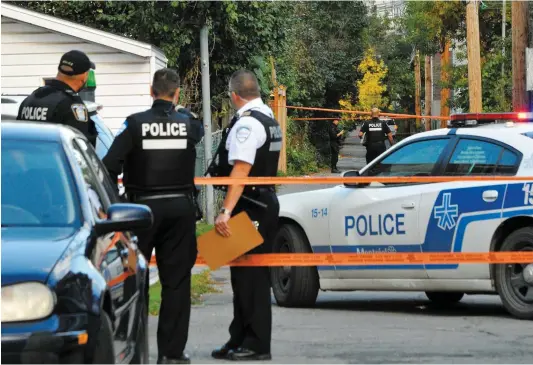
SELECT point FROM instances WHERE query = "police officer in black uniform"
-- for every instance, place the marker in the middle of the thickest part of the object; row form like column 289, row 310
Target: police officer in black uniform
column 375, row 131
column 250, row 147
column 157, row 151
column 335, row 144
column 58, row 101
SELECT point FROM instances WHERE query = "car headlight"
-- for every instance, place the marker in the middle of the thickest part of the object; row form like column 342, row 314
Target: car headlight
column 26, row 302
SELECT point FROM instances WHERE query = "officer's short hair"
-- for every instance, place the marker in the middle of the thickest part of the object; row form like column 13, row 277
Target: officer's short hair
column 166, row 82
column 245, row 84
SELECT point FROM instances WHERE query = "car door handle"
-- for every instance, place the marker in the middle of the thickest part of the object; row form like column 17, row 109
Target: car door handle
column 409, row 205
column 490, row 195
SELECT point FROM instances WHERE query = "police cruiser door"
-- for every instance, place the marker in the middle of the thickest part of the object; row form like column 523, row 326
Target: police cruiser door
column 464, row 216
column 385, row 218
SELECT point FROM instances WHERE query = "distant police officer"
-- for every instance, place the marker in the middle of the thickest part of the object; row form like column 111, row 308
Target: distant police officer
column 58, row 101
column 335, row 144
column 375, row 131
column 157, row 149
column 251, row 148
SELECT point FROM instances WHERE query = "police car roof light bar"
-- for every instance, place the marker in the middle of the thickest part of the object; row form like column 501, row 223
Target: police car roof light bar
column 474, row 119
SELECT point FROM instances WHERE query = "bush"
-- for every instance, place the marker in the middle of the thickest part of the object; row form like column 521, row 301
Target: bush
column 301, row 154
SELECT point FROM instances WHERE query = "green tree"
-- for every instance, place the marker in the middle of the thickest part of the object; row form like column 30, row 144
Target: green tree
column 239, row 32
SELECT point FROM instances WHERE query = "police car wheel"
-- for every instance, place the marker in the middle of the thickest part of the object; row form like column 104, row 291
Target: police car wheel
column 514, row 282
column 141, row 342
column 293, row 286
column 104, row 352
column 444, row 297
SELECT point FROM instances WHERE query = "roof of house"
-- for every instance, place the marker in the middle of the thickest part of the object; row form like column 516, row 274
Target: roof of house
column 81, row 31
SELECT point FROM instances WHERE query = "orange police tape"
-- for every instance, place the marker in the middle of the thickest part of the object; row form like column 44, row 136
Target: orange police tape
column 393, row 115
column 363, row 259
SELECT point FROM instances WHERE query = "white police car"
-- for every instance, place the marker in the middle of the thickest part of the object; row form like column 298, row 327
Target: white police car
column 422, row 217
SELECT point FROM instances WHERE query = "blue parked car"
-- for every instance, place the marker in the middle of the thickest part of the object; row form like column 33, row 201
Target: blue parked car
column 73, row 278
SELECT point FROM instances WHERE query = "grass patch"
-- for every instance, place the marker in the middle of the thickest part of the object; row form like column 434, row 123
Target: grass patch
column 200, row 283
column 202, row 228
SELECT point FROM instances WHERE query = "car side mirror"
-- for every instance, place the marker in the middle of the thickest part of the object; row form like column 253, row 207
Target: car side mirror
column 125, row 217
column 351, row 173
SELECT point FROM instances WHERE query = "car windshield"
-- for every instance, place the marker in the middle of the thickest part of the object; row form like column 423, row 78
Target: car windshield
column 37, row 188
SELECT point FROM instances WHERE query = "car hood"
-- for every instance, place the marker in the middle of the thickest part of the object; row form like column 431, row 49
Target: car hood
column 30, row 254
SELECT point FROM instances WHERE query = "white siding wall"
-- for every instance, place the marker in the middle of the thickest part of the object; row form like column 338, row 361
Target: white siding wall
column 31, row 53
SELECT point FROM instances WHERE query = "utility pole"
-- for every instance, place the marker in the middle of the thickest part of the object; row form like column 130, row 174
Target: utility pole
column 504, row 24
column 206, row 108
column 418, row 86
column 474, row 56
column 519, row 28
column 428, row 90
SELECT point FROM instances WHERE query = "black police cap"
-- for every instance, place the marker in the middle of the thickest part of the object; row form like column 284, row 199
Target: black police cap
column 75, row 63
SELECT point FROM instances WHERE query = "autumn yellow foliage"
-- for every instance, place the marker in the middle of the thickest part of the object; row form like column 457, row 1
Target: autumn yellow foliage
column 371, row 87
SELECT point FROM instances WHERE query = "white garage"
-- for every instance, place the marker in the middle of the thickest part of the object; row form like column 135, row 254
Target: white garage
column 32, row 45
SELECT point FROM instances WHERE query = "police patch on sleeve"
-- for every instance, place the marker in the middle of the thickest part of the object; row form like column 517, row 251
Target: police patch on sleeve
column 122, row 128
column 243, row 133
column 80, row 112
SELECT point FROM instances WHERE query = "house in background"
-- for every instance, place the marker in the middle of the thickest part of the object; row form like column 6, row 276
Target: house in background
column 33, row 43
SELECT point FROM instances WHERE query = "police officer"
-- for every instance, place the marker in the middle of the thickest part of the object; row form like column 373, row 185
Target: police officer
column 251, row 148
column 335, row 144
column 157, row 150
column 375, row 131
column 58, row 101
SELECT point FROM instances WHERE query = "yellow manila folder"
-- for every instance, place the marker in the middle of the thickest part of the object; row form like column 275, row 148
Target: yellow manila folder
column 218, row 251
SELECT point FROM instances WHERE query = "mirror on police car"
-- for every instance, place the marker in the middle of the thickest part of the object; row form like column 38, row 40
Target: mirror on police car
column 350, row 173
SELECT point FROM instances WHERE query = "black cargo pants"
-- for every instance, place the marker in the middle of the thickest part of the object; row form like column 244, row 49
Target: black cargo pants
column 251, row 327
column 374, row 149
column 173, row 235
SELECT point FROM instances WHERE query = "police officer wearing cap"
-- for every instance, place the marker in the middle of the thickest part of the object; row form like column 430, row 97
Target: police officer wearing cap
column 251, row 147
column 156, row 149
column 58, row 101
column 375, row 131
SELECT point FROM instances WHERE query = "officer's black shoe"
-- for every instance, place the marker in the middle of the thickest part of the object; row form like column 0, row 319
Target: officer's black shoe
column 335, row 171
column 183, row 359
column 243, row 354
column 222, row 352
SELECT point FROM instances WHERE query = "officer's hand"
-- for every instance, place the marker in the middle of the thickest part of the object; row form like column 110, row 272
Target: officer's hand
column 222, row 226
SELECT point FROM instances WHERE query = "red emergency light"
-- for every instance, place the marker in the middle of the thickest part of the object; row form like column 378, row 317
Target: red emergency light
column 493, row 116
column 475, row 119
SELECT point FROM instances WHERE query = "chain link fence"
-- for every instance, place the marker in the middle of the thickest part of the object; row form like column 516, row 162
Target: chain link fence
column 201, row 167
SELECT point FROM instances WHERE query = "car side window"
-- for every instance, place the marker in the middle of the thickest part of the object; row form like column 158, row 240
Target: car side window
column 96, row 200
column 475, row 157
column 414, row 159
column 100, row 170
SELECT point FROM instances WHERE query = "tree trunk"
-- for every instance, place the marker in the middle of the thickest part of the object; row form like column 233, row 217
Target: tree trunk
column 444, row 76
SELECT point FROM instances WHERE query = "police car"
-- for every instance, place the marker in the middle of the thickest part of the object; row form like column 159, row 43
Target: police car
column 479, row 216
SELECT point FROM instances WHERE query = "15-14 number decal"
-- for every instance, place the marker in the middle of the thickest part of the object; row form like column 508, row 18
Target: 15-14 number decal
column 316, row 213
column 528, row 193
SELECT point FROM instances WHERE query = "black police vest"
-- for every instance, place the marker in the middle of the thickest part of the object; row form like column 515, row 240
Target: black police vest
column 163, row 155
column 41, row 104
column 375, row 132
column 267, row 156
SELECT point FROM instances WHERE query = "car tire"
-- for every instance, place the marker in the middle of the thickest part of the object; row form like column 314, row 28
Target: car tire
column 293, row 286
column 509, row 280
column 104, row 352
column 140, row 355
column 444, row 297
